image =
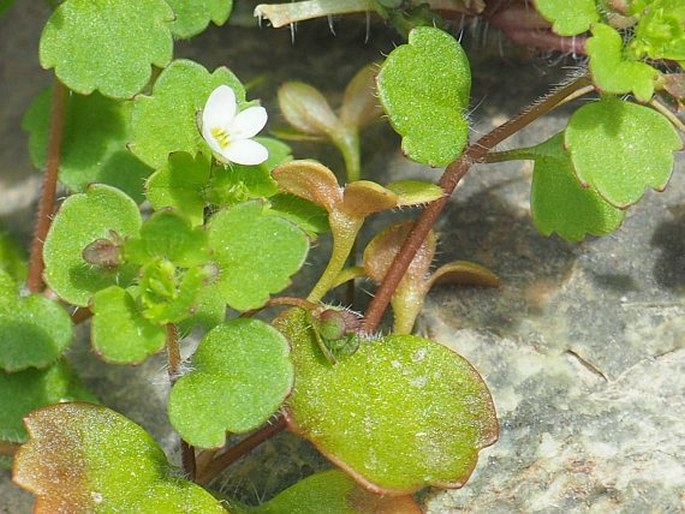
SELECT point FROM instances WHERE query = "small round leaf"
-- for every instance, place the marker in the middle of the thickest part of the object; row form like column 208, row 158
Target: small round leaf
column 620, row 148
column 82, row 219
column 560, row 204
column 34, row 332
column 166, row 122
column 424, row 88
column 255, row 252
column 241, row 375
column 30, row 389
column 120, row 333
column 86, row 458
column 108, row 45
column 568, row 18
column 400, row 413
column 193, row 16
column 94, row 150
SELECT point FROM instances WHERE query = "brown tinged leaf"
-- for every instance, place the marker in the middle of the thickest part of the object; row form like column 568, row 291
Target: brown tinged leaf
column 306, row 109
column 363, row 197
column 360, row 106
column 310, row 180
column 464, row 273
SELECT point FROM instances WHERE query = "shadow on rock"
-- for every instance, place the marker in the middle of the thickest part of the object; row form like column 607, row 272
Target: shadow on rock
column 669, row 237
column 532, row 267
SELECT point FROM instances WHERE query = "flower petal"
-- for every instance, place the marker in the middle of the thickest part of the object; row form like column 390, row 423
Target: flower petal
column 246, row 151
column 248, row 123
column 219, row 109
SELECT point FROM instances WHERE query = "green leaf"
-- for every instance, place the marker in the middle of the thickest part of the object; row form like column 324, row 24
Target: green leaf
column 208, row 311
column 241, row 375
column 620, row 148
column 119, row 332
column 108, row 45
column 168, row 235
column 611, row 73
column 166, row 122
column 94, row 150
column 34, row 332
column 193, row 16
column 334, row 492
column 82, row 219
column 255, row 252
column 660, row 33
column 559, row 203
column 310, row 217
column 568, row 18
column 86, row 458
column 400, row 413
column 237, row 183
column 5, row 4
column 181, row 184
column 415, row 192
column 12, row 258
column 169, row 294
column 27, row 390
column 424, row 88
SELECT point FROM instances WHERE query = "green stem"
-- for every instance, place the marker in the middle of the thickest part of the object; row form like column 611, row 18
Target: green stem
column 345, row 230
column 281, row 15
column 173, row 352
column 475, row 153
column 347, row 142
column 47, row 200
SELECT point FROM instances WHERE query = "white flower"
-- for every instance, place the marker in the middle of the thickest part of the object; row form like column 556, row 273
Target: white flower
column 229, row 132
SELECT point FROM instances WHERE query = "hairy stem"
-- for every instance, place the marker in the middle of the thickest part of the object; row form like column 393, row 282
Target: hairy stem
column 47, row 200
column 475, row 153
column 173, row 352
column 284, row 14
column 222, row 461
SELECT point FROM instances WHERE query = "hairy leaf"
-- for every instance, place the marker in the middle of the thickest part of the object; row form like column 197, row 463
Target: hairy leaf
column 166, row 121
column 559, row 203
column 94, row 150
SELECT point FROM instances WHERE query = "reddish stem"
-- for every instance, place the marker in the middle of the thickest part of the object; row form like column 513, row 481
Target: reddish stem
column 173, row 352
column 8, row 449
column 475, row 153
column 47, row 199
column 221, row 462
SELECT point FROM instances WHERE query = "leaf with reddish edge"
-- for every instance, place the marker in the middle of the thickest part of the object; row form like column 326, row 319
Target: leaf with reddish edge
column 82, row 457
column 400, row 413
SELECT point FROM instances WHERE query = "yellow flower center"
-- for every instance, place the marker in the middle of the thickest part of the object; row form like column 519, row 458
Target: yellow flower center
column 221, row 136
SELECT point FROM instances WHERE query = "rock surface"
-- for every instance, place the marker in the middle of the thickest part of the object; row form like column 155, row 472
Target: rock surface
column 583, row 347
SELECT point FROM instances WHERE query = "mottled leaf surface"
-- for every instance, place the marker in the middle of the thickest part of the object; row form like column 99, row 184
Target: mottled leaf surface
column 401, row 413
column 87, row 458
